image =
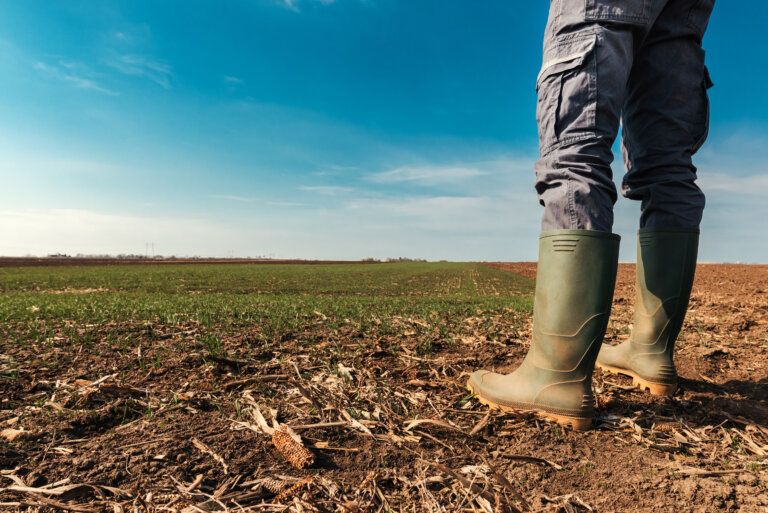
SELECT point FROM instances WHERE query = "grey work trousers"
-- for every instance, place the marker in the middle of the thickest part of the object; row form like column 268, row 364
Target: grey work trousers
column 635, row 62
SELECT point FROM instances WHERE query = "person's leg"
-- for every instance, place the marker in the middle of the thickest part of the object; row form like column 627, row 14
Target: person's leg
column 666, row 116
column 588, row 53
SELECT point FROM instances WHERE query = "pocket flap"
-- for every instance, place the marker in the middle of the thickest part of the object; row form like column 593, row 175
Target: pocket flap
column 565, row 57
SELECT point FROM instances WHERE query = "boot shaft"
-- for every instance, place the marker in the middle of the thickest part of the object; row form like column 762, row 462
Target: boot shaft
column 574, row 291
column 666, row 265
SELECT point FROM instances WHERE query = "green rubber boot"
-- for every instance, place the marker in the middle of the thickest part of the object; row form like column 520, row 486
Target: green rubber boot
column 666, row 264
column 574, row 291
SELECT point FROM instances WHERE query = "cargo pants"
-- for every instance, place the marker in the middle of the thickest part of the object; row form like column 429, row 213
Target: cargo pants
column 635, row 62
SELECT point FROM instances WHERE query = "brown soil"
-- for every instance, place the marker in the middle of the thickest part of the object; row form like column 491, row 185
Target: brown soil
column 171, row 427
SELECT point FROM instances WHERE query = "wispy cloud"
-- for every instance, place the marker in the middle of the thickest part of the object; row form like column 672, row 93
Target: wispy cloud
column 424, row 207
column 752, row 185
column 328, row 190
column 140, row 66
column 294, row 4
column 130, row 34
column 230, row 197
column 75, row 74
column 489, row 226
column 285, row 204
column 428, row 175
column 232, row 80
column 244, row 199
column 336, row 170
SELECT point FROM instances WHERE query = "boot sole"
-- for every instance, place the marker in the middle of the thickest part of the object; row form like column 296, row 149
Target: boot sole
column 578, row 424
column 659, row 389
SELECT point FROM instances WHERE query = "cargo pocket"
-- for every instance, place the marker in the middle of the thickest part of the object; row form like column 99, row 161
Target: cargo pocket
column 633, row 12
column 706, row 84
column 567, row 93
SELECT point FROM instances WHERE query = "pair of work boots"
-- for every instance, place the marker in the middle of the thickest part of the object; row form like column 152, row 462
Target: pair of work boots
column 574, row 290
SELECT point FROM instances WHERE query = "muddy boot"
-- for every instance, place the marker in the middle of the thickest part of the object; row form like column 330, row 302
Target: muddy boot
column 666, row 263
column 574, row 290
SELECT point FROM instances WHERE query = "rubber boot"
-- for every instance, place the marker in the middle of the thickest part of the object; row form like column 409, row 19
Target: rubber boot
column 666, row 264
column 574, row 290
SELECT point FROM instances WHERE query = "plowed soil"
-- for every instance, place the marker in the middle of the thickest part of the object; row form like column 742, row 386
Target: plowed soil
column 166, row 423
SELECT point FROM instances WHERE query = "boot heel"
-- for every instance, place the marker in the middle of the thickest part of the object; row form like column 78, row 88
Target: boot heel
column 576, row 424
column 659, row 389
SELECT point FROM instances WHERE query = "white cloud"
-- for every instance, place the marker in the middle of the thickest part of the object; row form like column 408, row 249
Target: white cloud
column 428, row 175
column 422, row 206
column 140, row 66
column 75, row 74
column 131, row 34
column 328, row 190
column 751, row 185
column 294, row 4
column 230, row 197
column 232, row 80
column 285, row 204
column 490, row 216
column 336, row 170
column 437, row 212
column 244, row 199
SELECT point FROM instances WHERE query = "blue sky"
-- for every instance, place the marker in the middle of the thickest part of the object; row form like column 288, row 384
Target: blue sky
column 320, row 129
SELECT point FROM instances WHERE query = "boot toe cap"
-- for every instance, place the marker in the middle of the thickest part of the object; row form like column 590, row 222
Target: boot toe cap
column 476, row 380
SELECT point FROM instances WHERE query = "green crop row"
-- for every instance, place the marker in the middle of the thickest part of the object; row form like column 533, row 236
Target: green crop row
column 270, row 302
column 397, row 279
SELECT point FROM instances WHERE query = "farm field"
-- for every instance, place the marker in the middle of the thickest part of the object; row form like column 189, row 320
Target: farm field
column 167, row 388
